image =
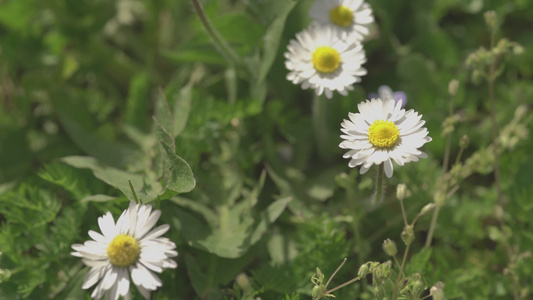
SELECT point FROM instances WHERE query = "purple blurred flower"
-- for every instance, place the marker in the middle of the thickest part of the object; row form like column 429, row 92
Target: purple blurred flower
column 385, row 92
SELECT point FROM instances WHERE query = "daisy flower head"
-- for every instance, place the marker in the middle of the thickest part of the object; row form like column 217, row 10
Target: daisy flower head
column 321, row 60
column 383, row 131
column 126, row 249
column 351, row 17
column 385, row 92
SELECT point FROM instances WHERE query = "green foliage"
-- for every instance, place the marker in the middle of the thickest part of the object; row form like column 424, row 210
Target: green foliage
column 103, row 102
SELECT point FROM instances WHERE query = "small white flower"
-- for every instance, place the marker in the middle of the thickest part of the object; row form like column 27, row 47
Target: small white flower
column 127, row 248
column 352, row 17
column 382, row 131
column 321, row 60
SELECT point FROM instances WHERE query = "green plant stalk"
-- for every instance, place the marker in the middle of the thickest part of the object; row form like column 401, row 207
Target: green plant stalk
column 343, row 285
column 491, row 78
column 400, row 272
column 221, row 44
column 432, row 226
column 335, row 273
column 378, row 194
column 403, row 213
column 445, row 161
column 448, row 140
column 319, row 125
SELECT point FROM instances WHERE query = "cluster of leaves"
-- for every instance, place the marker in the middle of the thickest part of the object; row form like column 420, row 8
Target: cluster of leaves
column 103, row 102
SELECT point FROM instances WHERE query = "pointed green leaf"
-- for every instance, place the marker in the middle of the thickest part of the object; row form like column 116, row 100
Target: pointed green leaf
column 177, row 174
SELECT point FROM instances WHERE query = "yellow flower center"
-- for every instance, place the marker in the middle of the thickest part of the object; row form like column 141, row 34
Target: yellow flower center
column 326, row 59
column 123, row 250
column 341, row 16
column 383, row 134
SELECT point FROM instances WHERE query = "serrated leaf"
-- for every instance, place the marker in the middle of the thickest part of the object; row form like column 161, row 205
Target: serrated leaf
column 229, row 232
column 418, row 262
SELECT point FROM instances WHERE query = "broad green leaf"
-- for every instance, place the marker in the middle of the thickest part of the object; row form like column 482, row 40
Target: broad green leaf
column 182, row 108
column 177, row 174
column 163, row 115
column 98, row 198
column 112, row 153
column 119, row 179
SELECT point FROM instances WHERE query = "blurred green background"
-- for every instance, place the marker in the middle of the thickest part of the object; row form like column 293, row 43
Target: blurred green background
column 84, row 78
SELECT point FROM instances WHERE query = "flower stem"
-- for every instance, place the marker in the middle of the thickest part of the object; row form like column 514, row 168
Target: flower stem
column 432, row 226
column 319, row 124
column 343, row 285
column 400, row 272
column 378, row 193
column 221, row 44
column 403, row 213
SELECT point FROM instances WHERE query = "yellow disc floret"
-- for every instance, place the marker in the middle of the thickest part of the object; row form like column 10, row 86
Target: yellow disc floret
column 123, row 250
column 326, row 59
column 341, row 16
column 383, row 134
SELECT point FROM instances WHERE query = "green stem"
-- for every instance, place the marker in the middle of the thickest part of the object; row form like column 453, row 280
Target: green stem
column 319, row 124
column 343, row 285
column 432, row 226
column 378, row 193
column 400, row 272
column 335, row 273
column 221, row 44
column 403, row 212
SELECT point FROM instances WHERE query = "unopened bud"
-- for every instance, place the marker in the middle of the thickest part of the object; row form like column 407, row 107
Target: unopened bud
column 439, row 198
column 242, row 281
column 383, row 271
column 520, row 112
column 389, row 247
column 464, row 141
column 490, row 19
column 499, row 213
column 400, row 191
column 453, row 86
column 427, row 208
column 436, row 291
column 408, row 234
column 363, row 271
column 417, row 287
column 518, row 49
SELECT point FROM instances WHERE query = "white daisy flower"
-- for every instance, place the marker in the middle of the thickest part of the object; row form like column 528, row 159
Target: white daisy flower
column 352, row 17
column 381, row 131
column 127, row 248
column 319, row 59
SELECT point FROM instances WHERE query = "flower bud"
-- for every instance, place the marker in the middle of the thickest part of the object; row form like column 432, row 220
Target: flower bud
column 490, row 19
column 427, row 208
column 518, row 49
column 389, row 247
column 436, row 291
column 464, row 141
column 400, row 191
column 439, row 198
column 453, row 86
column 243, row 281
column 408, row 234
column 363, row 271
